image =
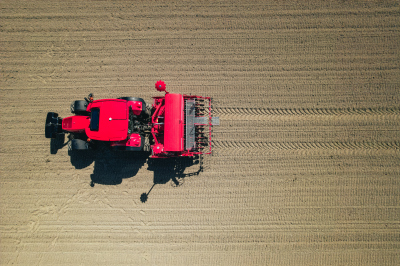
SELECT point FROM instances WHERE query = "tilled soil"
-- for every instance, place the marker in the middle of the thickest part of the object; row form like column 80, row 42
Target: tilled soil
column 305, row 165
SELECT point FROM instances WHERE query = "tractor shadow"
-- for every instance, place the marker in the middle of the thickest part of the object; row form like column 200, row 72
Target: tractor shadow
column 111, row 167
column 171, row 169
column 58, row 143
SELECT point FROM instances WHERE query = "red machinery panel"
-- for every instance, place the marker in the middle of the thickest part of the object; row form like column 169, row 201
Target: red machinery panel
column 173, row 122
column 75, row 123
column 109, row 120
column 136, row 106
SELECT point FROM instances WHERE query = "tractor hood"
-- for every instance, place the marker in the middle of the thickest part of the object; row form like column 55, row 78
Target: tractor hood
column 108, row 120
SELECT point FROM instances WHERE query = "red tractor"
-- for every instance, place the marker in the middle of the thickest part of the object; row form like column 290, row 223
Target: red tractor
column 174, row 125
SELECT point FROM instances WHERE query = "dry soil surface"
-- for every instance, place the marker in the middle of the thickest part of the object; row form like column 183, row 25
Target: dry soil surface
column 305, row 166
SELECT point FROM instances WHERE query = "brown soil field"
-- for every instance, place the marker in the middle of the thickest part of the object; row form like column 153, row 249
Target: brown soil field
column 305, row 167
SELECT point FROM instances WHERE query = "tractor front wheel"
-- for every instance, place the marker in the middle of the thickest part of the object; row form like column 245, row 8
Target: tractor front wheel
column 79, row 107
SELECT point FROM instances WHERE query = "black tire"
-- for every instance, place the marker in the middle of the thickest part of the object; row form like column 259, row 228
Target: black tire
column 79, row 107
column 131, row 99
column 78, row 144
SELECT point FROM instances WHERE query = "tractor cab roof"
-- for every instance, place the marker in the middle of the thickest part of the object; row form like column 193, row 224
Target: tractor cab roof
column 109, row 120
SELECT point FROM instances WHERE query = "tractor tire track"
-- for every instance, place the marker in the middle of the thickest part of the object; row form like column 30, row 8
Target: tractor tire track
column 341, row 145
column 307, row 111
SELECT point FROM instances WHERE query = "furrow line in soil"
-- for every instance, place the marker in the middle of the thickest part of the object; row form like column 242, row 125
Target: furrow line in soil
column 307, row 111
column 307, row 145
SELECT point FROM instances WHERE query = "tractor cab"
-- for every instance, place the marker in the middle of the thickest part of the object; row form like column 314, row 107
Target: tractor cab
column 108, row 120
